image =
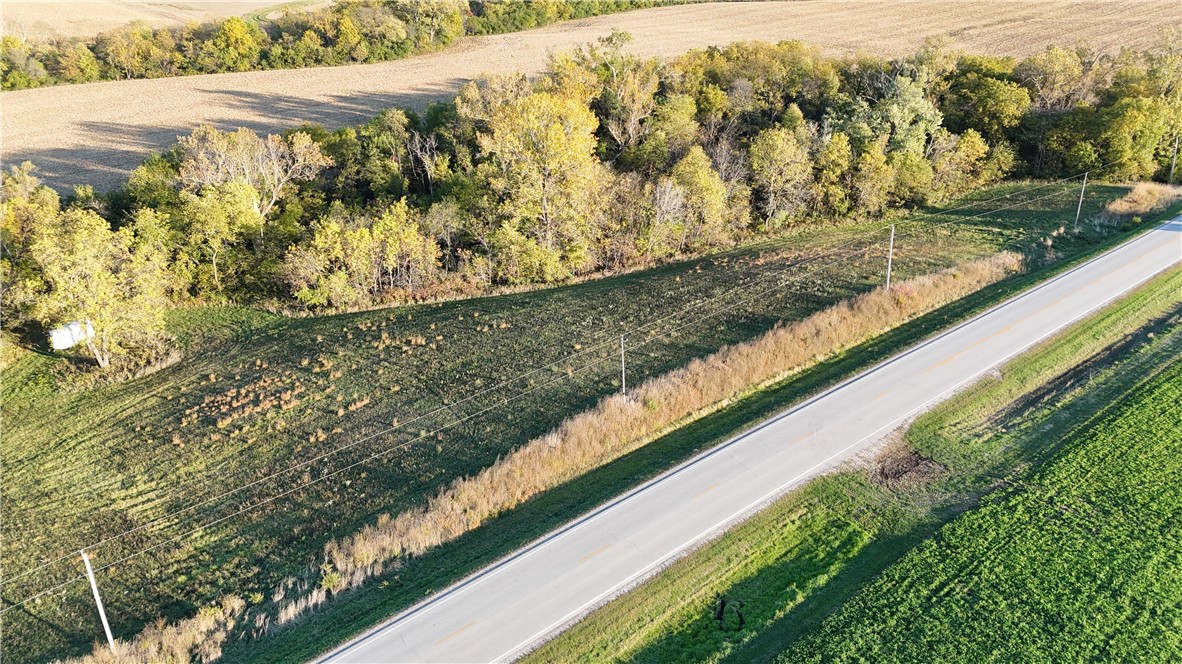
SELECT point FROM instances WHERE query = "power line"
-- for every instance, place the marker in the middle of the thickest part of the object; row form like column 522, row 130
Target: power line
column 384, row 452
column 358, row 441
column 534, row 371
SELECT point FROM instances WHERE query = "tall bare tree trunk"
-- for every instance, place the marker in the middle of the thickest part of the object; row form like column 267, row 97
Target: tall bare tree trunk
column 99, row 352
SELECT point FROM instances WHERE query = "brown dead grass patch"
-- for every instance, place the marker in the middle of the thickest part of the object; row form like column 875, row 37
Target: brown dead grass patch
column 1145, row 197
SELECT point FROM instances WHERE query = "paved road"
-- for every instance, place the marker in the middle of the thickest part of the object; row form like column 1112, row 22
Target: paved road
column 502, row 611
column 97, row 133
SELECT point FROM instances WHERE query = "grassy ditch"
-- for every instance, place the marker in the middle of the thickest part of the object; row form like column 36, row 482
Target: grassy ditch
column 797, row 562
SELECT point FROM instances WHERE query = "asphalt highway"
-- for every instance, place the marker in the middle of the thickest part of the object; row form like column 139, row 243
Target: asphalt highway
column 504, row 610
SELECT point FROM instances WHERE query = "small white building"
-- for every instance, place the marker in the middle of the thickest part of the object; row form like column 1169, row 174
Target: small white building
column 70, row 335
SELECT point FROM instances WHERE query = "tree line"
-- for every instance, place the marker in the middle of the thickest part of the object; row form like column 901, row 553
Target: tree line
column 349, row 31
column 604, row 162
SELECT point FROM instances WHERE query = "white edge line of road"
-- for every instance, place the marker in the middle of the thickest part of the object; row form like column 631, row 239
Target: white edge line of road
column 524, row 552
column 523, row 648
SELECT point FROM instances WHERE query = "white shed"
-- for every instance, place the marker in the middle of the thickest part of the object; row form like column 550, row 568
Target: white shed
column 70, row 334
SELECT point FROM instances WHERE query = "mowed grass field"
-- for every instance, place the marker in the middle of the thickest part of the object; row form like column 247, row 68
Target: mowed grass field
column 97, row 133
column 411, row 397
column 1071, row 560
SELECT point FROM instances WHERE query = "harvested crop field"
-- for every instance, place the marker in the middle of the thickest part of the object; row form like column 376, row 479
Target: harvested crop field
column 46, row 19
column 96, row 133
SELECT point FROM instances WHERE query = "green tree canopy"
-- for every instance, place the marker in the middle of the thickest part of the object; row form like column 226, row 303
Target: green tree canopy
column 108, row 279
column 781, row 172
column 541, row 151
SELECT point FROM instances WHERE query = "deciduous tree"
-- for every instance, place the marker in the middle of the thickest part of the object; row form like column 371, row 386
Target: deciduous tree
column 214, row 220
column 542, row 152
column 628, row 88
column 781, row 172
column 830, row 192
column 78, row 64
column 704, row 195
column 873, row 178
column 1134, row 135
column 108, row 279
column 987, row 105
column 270, row 166
column 236, row 46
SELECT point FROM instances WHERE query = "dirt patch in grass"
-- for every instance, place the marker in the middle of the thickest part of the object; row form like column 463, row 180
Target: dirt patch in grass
column 899, row 465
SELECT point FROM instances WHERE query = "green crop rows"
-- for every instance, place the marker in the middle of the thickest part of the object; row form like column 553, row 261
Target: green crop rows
column 1079, row 561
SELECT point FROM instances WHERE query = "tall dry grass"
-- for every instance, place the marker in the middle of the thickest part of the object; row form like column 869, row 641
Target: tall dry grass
column 617, row 425
column 199, row 638
column 1145, row 197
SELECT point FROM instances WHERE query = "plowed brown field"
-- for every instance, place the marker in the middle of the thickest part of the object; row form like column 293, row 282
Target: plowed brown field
column 96, row 133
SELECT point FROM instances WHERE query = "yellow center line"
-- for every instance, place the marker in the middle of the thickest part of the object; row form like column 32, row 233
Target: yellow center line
column 1114, row 271
column 594, row 553
column 1007, row 328
column 881, row 395
column 455, row 633
column 801, row 438
column 707, row 490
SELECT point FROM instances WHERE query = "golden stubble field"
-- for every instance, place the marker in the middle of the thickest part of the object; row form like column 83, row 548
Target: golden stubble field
column 43, row 19
column 96, row 133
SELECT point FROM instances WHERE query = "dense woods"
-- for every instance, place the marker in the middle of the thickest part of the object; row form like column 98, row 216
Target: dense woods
column 349, row 31
column 605, row 162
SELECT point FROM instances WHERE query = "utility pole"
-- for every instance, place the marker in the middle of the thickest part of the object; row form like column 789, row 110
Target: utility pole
column 98, row 600
column 890, row 257
column 623, row 371
column 1174, row 159
column 1079, row 208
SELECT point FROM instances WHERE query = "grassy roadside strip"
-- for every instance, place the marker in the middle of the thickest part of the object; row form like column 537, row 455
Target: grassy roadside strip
column 421, row 576
column 1075, row 560
column 619, row 423
column 795, row 562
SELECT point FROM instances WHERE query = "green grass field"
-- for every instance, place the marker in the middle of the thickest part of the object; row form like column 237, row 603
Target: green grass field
column 1077, row 561
column 257, row 394
column 807, row 555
